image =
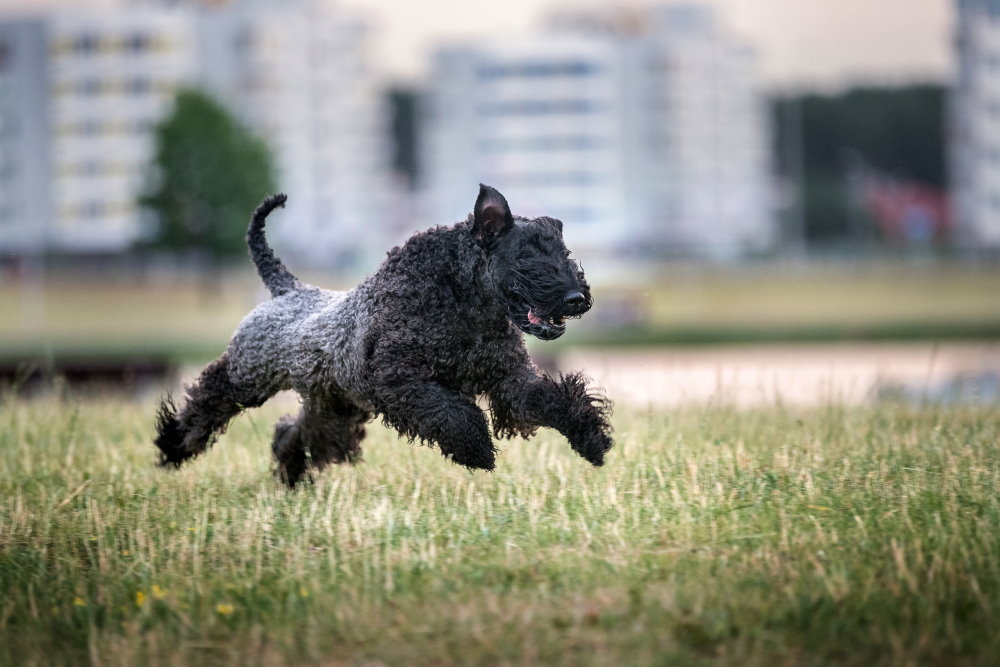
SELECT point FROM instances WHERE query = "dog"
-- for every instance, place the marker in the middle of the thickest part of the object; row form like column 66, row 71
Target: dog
column 439, row 324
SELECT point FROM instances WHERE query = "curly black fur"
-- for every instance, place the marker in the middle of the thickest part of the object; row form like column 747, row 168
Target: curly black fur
column 325, row 431
column 440, row 324
column 170, row 436
column 521, row 404
column 211, row 402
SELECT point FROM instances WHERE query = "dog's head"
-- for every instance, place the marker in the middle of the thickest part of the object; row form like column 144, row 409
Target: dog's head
column 530, row 266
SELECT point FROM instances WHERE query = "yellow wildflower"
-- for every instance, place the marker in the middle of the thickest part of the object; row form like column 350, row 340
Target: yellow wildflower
column 158, row 592
column 303, row 592
column 140, row 598
column 79, row 602
column 225, row 609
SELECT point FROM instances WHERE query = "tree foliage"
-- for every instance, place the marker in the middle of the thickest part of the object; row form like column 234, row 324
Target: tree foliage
column 209, row 172
column 896, row 130
column 899, row 131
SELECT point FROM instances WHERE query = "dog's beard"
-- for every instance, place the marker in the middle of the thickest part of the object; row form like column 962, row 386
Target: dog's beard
column 535, row 290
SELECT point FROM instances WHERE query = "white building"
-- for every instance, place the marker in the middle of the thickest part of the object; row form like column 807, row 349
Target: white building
column 295, row 72
column 299, row 74
column 643, row 131
column 25, row 157
column 112, row 76
column 975, row 126
column 540, row 119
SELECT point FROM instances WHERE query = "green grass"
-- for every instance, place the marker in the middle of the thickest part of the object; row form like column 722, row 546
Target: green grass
column 645, row 335
column 836, row 535
column 93, row 319
column 66, row 318
column 833, row 296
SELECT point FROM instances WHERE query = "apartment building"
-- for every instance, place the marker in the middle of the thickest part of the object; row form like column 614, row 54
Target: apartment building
column 91, row 85
column 643, row 130
column 975, row 126
column 25, row 157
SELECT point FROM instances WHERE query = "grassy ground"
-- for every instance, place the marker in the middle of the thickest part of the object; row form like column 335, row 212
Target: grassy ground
column 180, row 320
column 852, row 536
column 90, row 319
column 863, row 301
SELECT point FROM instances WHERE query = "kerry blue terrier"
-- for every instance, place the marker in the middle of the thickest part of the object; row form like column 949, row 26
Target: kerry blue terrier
column 436, row 326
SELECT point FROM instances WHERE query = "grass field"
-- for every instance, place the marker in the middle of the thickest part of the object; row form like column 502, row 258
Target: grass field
column 867, row 301
column 851, row 536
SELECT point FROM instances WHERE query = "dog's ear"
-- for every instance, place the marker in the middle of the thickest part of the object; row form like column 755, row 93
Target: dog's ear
column 491, row 218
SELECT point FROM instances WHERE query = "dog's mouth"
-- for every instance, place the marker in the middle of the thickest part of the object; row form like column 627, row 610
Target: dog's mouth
column 553, row 321
column 546, row 328
column 541, row 325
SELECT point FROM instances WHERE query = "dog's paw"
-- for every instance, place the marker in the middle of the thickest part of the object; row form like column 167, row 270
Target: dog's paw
column 474, row 458
column 593, row 446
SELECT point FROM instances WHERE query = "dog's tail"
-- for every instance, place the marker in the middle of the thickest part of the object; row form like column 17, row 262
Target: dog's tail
column 276, row 277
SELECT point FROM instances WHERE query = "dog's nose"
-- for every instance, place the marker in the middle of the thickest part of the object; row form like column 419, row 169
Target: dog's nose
column 576, row 300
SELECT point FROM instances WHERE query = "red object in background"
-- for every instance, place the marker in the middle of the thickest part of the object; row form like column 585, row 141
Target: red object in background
column 909, row 212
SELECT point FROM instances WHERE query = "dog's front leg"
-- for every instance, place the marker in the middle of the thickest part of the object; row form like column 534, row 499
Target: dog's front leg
column 430, row 412
column 525, row 400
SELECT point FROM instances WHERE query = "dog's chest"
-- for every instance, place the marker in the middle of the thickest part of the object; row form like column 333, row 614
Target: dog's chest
column 478, row 360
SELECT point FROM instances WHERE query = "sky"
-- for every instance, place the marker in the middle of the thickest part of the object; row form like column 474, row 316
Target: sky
column 813, row 44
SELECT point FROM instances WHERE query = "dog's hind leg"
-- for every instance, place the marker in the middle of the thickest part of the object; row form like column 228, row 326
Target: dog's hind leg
column 289, row 451
column 327, row 430
column 335, row 432
column 210, row 403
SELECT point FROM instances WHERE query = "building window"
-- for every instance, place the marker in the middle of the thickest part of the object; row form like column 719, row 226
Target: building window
column 136, row 43
column 576, row 142
column 556, row 178
column 91, row 210
column 162, row 43
column 538, row 107
column 165, row 87
column 244, row 40
column 86, row 44
column 539, row 70
column 139, row 125
column 90, row 127
column 137, row 86
column 90, row 87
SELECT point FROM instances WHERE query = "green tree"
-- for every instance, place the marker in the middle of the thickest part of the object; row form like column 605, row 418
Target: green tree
column 209, row 172
column 893, row 130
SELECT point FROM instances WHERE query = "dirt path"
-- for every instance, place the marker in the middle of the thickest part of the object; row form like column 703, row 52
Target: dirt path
column 800, row 374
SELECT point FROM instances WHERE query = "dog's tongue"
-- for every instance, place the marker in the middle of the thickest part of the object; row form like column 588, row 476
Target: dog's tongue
column 534, row 319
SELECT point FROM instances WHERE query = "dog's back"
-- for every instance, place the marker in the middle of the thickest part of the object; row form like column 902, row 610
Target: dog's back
column 288, row 341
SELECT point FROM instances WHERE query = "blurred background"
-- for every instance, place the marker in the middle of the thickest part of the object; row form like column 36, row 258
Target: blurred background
column 774, row 200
